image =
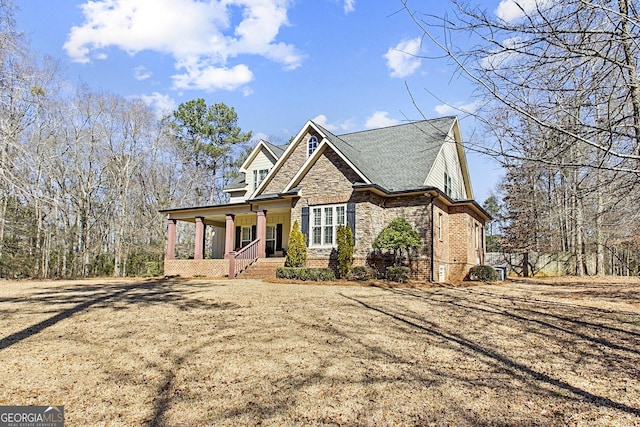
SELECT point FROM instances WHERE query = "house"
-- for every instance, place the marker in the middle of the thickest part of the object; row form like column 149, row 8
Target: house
column 416, row 170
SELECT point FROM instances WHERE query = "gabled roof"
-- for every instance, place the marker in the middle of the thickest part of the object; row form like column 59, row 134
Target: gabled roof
column 276, row 150
column 239, row 182
column 397, row 157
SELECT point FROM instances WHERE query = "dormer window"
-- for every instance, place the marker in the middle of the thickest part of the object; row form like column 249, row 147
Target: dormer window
column 312, row 145
column 258, row 177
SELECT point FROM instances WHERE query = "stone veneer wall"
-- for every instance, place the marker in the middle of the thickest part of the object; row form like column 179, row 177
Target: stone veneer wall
column 292, row 165
column 196, row 267
column 330, row 181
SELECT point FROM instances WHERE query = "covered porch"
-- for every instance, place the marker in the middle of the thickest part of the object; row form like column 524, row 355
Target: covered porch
column 228, row 238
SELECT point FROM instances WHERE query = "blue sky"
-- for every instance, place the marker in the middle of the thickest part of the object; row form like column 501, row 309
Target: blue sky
column 343, row 63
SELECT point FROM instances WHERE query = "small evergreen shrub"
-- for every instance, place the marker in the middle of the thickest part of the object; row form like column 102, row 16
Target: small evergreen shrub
column 484, row 273
column 361, row 273
column 344, row 236
column 305, row 274
column 398, row 236
column 297, row 252
column 398, row 274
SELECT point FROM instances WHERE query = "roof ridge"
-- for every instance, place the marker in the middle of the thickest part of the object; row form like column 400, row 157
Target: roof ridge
column 334, row 135
column 408, row 123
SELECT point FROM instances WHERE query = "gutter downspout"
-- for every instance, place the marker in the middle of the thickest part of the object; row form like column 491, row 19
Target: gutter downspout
column 432, row 243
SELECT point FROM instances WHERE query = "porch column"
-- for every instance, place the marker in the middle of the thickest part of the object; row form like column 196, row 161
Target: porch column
column 261, row 231
column 199, row 246
column 171, row 239
column 229, row 235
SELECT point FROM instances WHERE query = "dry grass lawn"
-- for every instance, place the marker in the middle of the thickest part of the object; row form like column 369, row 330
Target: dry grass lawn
column 202, row 352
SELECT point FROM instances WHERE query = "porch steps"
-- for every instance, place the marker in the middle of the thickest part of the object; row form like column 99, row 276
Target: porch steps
column 262, row 268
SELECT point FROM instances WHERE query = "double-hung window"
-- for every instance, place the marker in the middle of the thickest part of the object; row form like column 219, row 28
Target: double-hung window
column 447, row 184
column 258, row 177
column 246, row 236
column 324, row 223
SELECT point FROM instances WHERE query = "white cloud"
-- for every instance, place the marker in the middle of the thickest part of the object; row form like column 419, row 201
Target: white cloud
column 161, row 104
column 344, row 126
column 200, row 35
column 349, row 6
column 380, row 119
column 457, row 108
column 141, row 73
column 212, row 78
column 512, row 10
column 257, row 136
column 402, row 59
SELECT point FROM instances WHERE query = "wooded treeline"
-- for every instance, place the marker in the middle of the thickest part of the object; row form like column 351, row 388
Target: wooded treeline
column 558, row 93
column 83, row 173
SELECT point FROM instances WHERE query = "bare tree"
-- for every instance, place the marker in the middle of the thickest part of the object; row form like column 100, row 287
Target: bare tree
column 559, row 98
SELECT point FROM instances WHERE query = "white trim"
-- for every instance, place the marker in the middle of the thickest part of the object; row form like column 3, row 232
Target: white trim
column 322, row 225
column 254, row 153
column 294, row 143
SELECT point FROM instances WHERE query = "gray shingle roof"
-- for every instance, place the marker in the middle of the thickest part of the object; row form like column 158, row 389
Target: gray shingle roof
column 396, row 158
column 277, row 149
column 238, row 183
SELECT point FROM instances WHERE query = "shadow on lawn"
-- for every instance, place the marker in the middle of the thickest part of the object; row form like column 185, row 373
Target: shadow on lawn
column 116, row 296
column 478, row 304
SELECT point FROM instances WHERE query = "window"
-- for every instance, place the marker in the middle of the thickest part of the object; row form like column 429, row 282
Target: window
column 324, row 223
column 477, row 236
column 440, row 227
column 271, row 239
column 258, row 177
column 447, row 184
column 246, row 237
column 312, row 144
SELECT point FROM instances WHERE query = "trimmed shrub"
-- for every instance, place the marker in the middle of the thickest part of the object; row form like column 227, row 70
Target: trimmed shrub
column 398, row 274
column 398, row 236
column 297, row 252
column 361, row 273
column 345, row 250
column 484, row 273
column 304, row 274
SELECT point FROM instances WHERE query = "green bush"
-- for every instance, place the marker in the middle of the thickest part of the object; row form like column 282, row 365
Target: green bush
column 362, row 273
column 484, row 273
column 345, row 249
column 297, row 252
column 305, row 274
column 154, row 268
column 398, row 236
column 398, row 274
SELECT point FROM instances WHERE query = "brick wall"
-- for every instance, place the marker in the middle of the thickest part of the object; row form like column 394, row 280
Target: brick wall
column 466, row 248
column 196, row 267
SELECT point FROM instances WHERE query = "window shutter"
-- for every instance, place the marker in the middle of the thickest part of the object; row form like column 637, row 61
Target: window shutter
column 305, row 223
column 351, row 219
column 253, row 232
column 238, row 237
column 278, row 237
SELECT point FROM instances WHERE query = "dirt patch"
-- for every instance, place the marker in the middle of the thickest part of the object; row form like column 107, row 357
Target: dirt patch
column 222, row 352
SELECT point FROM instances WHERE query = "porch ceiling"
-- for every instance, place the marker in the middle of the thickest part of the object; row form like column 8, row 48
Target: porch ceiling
column 216, row 215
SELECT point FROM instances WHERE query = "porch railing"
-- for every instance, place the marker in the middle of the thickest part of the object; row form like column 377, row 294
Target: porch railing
column 238, row 261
